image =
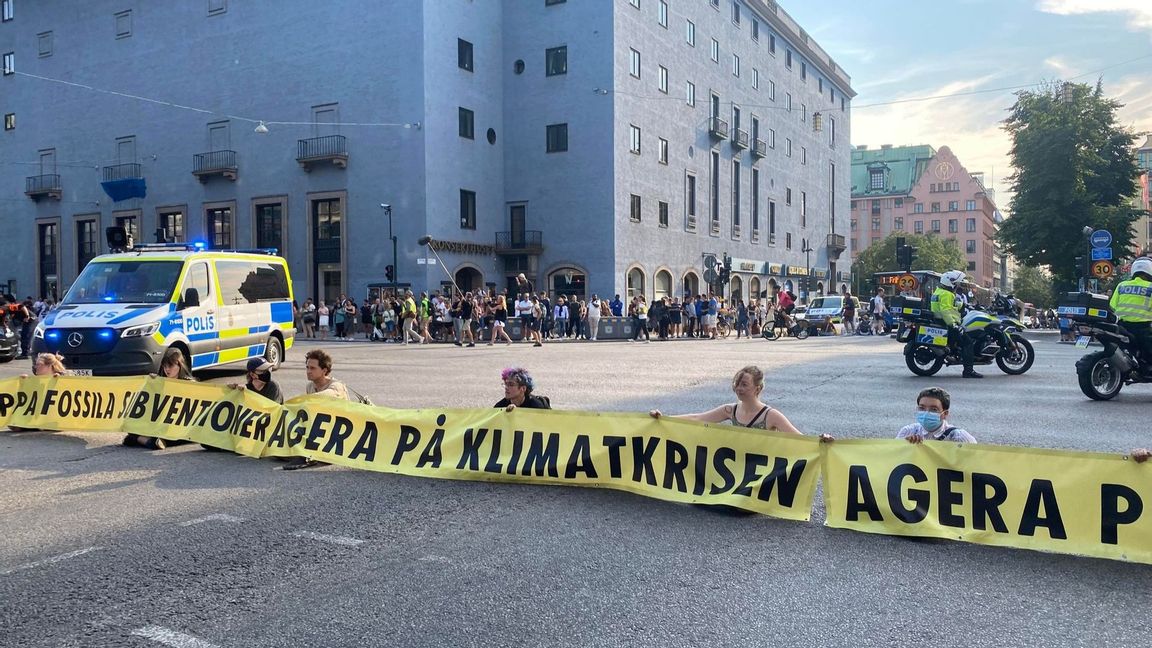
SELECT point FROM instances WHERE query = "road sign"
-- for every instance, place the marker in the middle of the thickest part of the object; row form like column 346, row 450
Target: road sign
column 1102, row 254
column 1101, row 239
column 907, row 283
column 1102, row 269
column 709, row 261
column 710, row 275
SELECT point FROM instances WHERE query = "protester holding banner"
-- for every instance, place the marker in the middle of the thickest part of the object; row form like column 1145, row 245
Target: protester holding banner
column 518, row 386
column 48, row 364
column 748, row 411
column 932, row 420
column 318, row 369
column 260, row 380
column 174, row 367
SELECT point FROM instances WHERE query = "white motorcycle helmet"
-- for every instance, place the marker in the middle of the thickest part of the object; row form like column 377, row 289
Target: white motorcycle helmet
column 952, row 278
column 1143, row 264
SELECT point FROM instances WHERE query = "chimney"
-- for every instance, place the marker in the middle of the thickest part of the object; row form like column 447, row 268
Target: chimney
column 885, row 146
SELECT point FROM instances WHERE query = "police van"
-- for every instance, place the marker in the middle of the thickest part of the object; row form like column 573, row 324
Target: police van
column 125, row 310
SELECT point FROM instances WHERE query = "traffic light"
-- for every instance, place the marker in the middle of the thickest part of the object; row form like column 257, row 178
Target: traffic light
column 724, row 269
column 905, row 255
column 389, row 272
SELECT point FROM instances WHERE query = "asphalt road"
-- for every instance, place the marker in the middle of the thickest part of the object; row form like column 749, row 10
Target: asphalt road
column 103, row 545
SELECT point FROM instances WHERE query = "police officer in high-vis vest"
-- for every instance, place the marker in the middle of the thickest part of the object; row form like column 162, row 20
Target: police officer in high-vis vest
column 1132, row 303
column 945, row 307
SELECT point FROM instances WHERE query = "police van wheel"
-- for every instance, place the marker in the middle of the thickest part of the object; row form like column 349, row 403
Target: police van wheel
column 274, row 352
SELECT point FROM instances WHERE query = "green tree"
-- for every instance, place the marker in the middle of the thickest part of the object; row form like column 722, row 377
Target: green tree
column 932, row 253
column 1075, row 168
column 1034, row 285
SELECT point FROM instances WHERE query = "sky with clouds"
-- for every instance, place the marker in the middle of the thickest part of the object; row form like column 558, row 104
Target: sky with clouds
column 896, row 50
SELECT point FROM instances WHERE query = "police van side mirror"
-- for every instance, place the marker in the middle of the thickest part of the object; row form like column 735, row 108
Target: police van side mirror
column 191, row 299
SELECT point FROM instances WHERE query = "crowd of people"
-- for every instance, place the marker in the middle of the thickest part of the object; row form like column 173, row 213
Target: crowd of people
column 21, row 316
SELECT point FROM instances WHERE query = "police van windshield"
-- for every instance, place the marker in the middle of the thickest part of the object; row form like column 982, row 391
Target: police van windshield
column 125, row 282
column 826, row 302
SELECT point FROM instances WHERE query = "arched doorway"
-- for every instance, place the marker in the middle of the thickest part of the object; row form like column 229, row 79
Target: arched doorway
column 635, row 283
column 663, row 284
column 736, row 288
column 789, row 286
column 819, row 288
column 754, row 288
column 570, row 282
column 691, row 284
column 772, row 288
column 469, row 279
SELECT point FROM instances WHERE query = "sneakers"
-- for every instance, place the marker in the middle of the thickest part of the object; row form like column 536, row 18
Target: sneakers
column 537, row 344
column 457, row 344
column 303, row 462
column 971, row 373
column 471, row 344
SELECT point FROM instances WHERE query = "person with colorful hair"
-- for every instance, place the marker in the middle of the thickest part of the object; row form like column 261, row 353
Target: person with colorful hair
column 518, row 386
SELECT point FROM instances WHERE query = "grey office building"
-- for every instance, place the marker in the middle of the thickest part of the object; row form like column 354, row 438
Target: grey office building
column 598, row 146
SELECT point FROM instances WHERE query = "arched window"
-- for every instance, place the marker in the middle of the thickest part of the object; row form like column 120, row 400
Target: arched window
column 635, row 283
column 737, row 288
column 788, row 286
column 754, row 288
column 663, row 284
column 691, row 284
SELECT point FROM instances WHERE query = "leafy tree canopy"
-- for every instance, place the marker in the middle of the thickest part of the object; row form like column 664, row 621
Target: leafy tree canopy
column 932, row 253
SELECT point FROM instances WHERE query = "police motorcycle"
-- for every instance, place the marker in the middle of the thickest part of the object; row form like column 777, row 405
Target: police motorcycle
column 995, row 338
column 1102, row 374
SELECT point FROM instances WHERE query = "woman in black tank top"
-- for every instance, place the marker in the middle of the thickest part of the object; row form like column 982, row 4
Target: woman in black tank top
column 748, row 411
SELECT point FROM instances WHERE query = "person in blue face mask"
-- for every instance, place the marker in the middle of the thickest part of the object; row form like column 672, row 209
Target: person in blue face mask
column 932, row 420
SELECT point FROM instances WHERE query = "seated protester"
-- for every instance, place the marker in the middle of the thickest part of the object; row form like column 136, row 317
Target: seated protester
column 318, row 369
column 748, row 411
column 47, row 364
column 174, row 367
column 932, row 420
column 259, row 382
column 518, row 387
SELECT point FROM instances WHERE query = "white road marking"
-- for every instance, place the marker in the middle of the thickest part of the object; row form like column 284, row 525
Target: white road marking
column 49, row 561
column 222, row 517
column 340, row 540
column 168, row 637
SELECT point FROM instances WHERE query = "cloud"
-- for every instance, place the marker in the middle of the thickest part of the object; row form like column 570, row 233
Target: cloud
column 1062, row 69
column 1139, row 12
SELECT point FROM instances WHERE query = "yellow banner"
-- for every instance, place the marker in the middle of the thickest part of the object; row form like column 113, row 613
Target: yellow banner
column 667, row 459
column 1051, row 500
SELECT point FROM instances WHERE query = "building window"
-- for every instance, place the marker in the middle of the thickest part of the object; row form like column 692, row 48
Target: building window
column 549, row 3
column 662, row 13
column 755, row 79
column 7, row 10
column 803, row 209
column 270, row 226
column 755, row 29
column 129, row 223
column 953, row 205
column 172, row 223
column 876, row 179
column 663, row 151
column 771, row 90
column 467, row 209
column 935, row 207
column 44, row 44
column 634, row 208
column 663, row 211
column 217, row 7
column 735, row 65
column 771, row 43
column 789, row 148
column 467, row 124
column 690, row 200
column 715, row 51
column 771, row 222
column 736, row 193
column 556, row 60
column 634, row 63
column 86, row 243
column 10, row 121
column 970, row 205
column 690, row 93
column 936, row 226
column 9, row 63
column 970, row 225
column 898, row 223
column 803, row 71
column 898, row 202
column 663, row 79
column 756, row 201
column 971, row 266
column 634, row 143
column 714, row 195
column 803, row 155
column 919, row 227
column 771, row 138
column 690, row 33
column 918, row 208
column 219, row 227
column 953, row 225
column 49, row 277
column 788, row 196
column 875, row 207
column 557, row 138
column 789, row 97
column 736, row 13
column 970, row 247
column 875, row 224
column 788, row 241
column 634, row 3
column 464, row 54
column 788, row 59
column 123, row 21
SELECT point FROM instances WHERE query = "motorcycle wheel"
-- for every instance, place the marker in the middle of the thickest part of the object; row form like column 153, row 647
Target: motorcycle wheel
column 1017, row 363
column 1099, row 379
column 922, row 362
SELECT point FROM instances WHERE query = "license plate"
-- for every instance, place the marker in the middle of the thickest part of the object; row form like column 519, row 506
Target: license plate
column 1082, row 341
column 80, row 372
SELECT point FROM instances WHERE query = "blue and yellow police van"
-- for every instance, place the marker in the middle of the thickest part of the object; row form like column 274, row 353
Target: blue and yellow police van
column 217, row 307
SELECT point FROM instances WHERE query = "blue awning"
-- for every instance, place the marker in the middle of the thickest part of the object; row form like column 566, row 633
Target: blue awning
column 119, row 190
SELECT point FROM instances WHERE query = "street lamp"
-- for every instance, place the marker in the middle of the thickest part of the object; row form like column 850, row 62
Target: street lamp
column 427, row 240
column 1086, row 283
column 807, row 250
column 395, row 270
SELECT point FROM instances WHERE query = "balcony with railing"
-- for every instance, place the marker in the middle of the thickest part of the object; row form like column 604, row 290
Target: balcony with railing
column 43, row 186
column 836, row 246
column 759, row 148
column 317, row 150
column 718, row 128
column 212, row 163
column 739, row 139
column 122, row 172
column 520, row 242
